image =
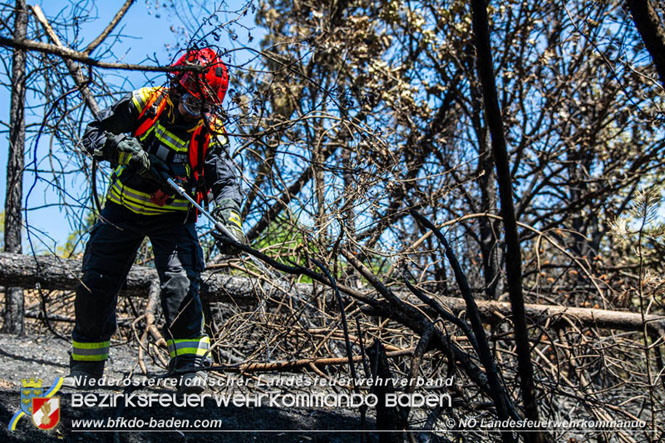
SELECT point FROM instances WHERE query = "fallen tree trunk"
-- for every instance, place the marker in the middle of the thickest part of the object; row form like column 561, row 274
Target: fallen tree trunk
column 557, row 315
column 55, row 273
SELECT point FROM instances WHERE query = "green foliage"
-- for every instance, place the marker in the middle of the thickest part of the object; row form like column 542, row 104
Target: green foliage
column 643, row 220
column 287, row 243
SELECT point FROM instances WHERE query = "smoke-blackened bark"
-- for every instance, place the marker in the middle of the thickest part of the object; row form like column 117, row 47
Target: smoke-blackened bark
column 647, row 24
column 14, row 309
column 489, row 242
column 513, row 253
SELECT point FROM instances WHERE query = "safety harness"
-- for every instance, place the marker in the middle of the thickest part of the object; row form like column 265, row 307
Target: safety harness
column 198, row 145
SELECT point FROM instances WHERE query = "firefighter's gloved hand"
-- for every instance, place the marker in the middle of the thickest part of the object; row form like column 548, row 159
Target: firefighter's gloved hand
column 227, row 213
column 126, row 151
column 159, row 172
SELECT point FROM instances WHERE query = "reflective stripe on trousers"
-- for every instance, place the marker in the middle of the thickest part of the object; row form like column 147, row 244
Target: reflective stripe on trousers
column 197, row 346
column 95, row 351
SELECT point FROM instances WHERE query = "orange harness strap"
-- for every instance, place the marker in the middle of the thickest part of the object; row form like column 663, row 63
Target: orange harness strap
column 200, row 138
column 146, row 121
column 198, row 146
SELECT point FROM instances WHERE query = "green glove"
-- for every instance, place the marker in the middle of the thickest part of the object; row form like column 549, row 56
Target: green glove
column 127, row 151
column 227, row 213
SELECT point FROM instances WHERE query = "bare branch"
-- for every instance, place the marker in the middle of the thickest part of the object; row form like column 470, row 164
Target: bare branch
column 116, row 19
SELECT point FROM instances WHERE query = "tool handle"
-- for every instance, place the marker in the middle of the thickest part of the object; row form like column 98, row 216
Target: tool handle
column 218, row 225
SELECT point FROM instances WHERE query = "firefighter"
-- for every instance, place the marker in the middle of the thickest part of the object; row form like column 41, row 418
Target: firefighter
column 149, row 134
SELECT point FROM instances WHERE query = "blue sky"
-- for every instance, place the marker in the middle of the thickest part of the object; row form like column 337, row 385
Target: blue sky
column 145, row 32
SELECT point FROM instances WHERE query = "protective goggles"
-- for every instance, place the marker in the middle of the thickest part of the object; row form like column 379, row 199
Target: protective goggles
column 194, row 106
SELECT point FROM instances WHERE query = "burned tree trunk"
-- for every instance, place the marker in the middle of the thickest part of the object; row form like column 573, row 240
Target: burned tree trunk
column 647, row 24
column 55, row 273
column 387, row 418
column 14, row 309
column 513, row 254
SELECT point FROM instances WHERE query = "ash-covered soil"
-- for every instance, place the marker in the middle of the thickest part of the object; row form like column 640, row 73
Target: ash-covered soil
column 47, row 358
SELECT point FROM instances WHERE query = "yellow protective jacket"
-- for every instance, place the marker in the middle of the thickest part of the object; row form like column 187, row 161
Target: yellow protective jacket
column 170, row 138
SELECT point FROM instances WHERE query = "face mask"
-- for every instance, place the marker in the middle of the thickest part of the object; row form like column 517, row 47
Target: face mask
column 193, row 106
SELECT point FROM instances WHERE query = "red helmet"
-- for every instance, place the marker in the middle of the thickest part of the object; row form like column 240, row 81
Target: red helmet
column 209, row 85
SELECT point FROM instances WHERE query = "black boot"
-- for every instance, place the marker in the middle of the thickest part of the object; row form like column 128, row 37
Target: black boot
column 81, row 373
column 190, row 381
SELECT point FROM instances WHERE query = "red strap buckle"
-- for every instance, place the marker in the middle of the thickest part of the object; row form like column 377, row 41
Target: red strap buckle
column 159, row 198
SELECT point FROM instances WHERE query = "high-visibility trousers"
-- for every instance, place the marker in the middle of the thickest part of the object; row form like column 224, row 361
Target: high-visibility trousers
column 109, row 254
